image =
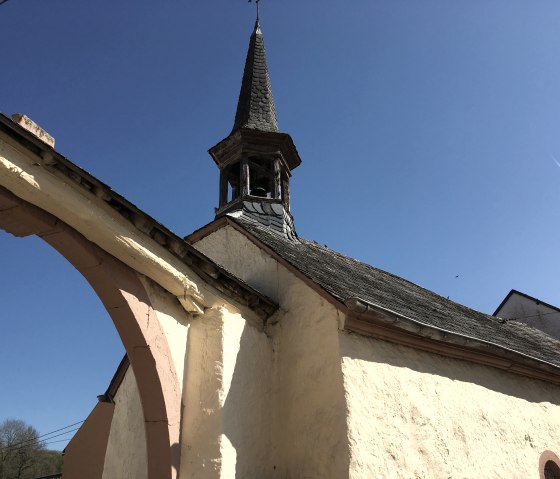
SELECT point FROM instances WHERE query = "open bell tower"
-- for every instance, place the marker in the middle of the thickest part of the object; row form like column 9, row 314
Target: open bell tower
column 256, row 159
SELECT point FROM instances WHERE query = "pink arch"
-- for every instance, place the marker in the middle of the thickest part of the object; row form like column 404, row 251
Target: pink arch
column 128, row 304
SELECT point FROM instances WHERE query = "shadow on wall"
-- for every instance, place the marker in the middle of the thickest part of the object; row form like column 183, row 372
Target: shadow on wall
column 176, row 457
column 247, row 410
column 285, row 410
column 498, row 380
column 251, row 412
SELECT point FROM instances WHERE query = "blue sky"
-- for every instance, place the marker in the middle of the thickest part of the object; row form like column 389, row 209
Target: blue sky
column 429, row 133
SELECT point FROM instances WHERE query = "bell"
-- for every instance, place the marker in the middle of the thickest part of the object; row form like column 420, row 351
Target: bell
column 259, row 191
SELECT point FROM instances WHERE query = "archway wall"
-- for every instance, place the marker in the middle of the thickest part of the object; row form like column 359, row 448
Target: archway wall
column 30, row 177
column 151, row 282
column 127, row 302
column 36, row 173
column 148, row 291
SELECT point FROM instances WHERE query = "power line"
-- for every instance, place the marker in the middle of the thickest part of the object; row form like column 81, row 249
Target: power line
column 48, row 433
column 62, row 428
column 27, row 442
column 3, row 1
column 532, row 316
column 53, row 442
column 22, row 445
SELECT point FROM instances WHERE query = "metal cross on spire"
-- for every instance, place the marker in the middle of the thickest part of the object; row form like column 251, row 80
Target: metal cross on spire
column 257, row 2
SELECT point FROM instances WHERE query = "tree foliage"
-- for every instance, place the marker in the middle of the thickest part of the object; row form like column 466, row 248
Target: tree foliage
column 23, row 454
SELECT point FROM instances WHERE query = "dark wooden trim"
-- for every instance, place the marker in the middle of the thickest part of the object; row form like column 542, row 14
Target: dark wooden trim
column 286, row 192
column 246, row 140
column 277, row 193
column 227, row 221
column 245, row 178
column 378, row 330
column 207, row 229
column 223, row 189
column 117, row 379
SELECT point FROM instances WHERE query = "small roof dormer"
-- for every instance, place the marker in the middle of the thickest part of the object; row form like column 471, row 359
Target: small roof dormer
column 256, row 159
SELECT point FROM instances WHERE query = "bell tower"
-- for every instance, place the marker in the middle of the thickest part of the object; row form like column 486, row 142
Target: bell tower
column 256, row 159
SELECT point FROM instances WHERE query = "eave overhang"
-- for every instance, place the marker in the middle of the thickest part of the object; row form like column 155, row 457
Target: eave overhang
column 381, row 323
column 251, row 141
column 116, row 381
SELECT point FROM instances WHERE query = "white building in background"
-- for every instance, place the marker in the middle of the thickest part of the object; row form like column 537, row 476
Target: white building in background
column 518, row 306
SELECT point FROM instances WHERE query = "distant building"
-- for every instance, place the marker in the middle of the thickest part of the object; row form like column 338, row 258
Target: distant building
column 518, row 306
column 254, row 353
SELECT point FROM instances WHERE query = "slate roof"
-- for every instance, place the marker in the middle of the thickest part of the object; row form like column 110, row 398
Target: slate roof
column 344, row 277
column 255, row 108
column 270, row 214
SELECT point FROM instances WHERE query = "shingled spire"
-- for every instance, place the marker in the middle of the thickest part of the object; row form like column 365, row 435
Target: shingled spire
column 255, row 108
column 256, row 160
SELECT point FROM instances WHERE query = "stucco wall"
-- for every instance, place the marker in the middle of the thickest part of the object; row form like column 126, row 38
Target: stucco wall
column 84, row 456
column 226, row 421
column 174, row 321
column 307, row 406
column 126, row 448
column 419, row 415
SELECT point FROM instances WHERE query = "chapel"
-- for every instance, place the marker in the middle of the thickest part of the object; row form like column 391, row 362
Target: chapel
column 266, row 355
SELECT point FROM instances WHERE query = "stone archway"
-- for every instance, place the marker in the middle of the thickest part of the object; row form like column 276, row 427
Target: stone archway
column 127, row 302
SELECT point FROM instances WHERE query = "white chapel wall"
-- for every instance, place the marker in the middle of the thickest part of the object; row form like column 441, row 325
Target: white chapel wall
column 307, row 407
column 226, row 422
column 223, row 364
column 414, row 414
column 351, row 406
column 126, row 449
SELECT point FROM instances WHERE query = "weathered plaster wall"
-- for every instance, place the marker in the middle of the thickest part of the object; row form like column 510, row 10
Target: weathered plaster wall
column 414, row 414
column 307, row 406
column 84, row 456
column 174, row 321
column 126, row 449
column 226, row 422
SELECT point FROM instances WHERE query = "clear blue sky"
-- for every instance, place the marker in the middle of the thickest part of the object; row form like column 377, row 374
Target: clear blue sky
column 429, row 133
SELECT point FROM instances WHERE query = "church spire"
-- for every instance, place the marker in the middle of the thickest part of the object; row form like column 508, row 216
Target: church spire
column 255, row 108
column 256, row 160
